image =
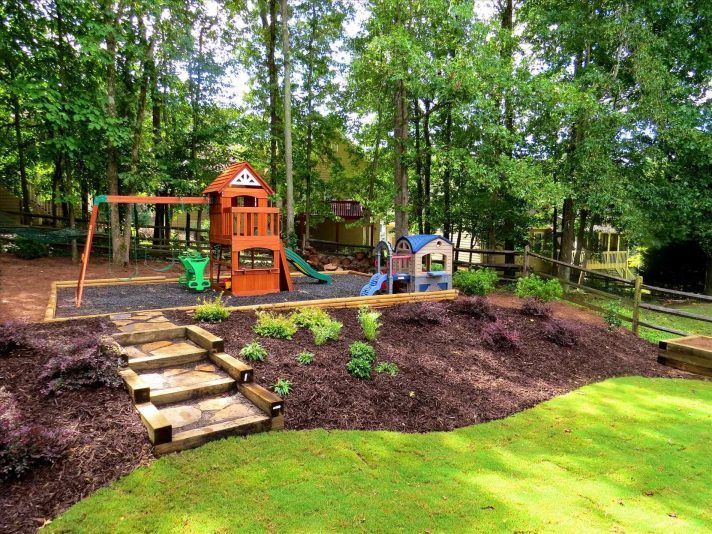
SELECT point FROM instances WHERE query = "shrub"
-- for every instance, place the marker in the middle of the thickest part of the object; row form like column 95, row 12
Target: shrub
column 85, row 364
column 22, row 446
column 359, row 368
column 387, row 367
column 362, row 351
column 324, row 332
column 368, row 319
column 477, row 282
column 420, row 314
column 211, row 311
column 11, row 337
column 535, row 287
column 476, row 307
column 497, row 335
column 282, row 387
column 611, row 314
column 305, row 358
column 536, row 308
column 274, row 325
column 254, row 352
column 29, row 249
column 362, row 357
column 309, row 317
column 562, row 334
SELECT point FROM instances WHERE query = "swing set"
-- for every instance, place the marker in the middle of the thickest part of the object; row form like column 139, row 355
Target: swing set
column 247, row 256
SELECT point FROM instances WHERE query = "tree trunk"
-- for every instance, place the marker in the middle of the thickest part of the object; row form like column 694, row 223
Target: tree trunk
column 567, row 236
column 427, row 167
column 287, row 120
column 708, row 275
column 400, row 131
column 21, row 162
column 581, row 236
column 118, row 251
column 268, row 17
column 418, row 168
column 313, row 22
column 447, row 229
column 56, row 178
column 554, row 227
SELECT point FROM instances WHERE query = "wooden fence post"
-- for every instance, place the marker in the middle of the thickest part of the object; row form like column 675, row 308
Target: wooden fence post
column 636, row 303
column 526, row 260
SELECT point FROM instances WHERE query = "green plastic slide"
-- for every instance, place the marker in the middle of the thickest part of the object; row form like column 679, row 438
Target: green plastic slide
column 296, row 260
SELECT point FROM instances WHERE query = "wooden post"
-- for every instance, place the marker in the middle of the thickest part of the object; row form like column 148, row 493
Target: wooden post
column 636, row 303
column 187, row 229
column 85, row 255
column 526, row 260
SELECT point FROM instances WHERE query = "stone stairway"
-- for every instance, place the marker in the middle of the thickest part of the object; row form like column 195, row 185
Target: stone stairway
column 186, row 389
column 692, row 354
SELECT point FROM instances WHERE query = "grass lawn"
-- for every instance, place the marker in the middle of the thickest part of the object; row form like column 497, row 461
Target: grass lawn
column 628, row 453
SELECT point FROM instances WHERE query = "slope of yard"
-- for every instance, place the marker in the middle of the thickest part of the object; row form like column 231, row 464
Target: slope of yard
column 624, row 454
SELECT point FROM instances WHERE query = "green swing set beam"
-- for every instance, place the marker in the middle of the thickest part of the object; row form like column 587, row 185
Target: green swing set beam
column 120, row 199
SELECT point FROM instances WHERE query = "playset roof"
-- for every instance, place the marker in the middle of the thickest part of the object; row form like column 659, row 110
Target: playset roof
column 418, row 241
column 226, row 177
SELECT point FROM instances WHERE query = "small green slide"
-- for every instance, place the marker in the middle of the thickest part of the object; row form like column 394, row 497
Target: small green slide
column 304, row 267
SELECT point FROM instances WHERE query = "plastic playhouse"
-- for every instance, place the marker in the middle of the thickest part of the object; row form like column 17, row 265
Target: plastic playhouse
column 419, row 263
column 194, row 264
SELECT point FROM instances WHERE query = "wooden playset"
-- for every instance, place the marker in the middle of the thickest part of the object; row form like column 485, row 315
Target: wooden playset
column 419, row 263
column 247, row 255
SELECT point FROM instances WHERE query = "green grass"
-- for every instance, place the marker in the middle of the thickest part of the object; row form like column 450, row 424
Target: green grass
column 684, row 324
column 625, row 454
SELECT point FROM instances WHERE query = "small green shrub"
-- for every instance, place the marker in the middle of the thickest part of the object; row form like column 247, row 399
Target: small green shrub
column 254, row 352
column 29, row 249
column 305, row 357
column 282, row 387
column 369, row 322
column 309, row 317
column 611, row 314
column 324, row 332
column 534, row 287
column 211, row 310
column 274, row 325
column 387, row 367
column 362, row 351
column 359, row 368
column 477, row 282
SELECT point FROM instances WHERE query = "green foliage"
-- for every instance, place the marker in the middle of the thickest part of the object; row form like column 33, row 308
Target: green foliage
column 282, row 387
column 362, row 357
column 274, row 325
column 368, row 319
column 305, row 357
column 211, row 310
column 254, row 352
column 387, row 367
column 477, row 282
column 308, row 317
column 611, row 312
column 326, row 331
column 29, row 249
column 532, row 286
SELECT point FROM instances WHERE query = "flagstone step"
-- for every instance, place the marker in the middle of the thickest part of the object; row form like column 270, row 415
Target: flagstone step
column 173, row 355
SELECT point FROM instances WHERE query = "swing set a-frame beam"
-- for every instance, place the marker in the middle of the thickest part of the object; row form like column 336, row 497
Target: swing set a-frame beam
column 120, row 199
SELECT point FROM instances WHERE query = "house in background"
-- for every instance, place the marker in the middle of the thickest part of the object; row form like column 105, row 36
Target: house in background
column 607, row 252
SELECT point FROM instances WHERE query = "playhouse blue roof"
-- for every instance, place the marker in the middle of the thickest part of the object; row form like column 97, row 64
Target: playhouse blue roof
column 418, row 241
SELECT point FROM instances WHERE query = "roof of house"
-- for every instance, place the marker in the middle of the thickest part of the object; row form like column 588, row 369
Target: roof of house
column 224, row 179
column 418, row 241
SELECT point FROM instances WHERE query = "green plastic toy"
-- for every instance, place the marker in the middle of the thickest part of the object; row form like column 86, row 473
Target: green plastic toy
column 194, row 264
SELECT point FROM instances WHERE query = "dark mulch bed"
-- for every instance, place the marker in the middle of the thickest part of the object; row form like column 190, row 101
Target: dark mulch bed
column 447, row 377
column 106, row 438
column 134, row 297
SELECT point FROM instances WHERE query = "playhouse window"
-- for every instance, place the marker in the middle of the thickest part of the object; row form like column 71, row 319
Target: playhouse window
column 256, row 258
column 434, row 262
column 244, row 201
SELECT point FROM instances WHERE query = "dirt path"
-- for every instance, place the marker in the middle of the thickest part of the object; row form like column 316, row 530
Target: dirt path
column 25, row 284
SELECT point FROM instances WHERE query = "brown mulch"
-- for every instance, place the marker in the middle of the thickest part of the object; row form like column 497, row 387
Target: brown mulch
column 107, row 439
column 447, row 378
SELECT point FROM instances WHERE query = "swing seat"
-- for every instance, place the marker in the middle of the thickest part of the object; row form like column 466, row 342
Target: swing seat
column 194, row 264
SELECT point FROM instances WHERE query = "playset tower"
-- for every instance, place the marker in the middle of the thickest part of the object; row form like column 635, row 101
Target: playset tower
column 247, row 255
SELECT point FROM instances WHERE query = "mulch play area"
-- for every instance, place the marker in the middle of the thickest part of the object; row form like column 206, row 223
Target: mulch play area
column 449, row 376
column 133, row 297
